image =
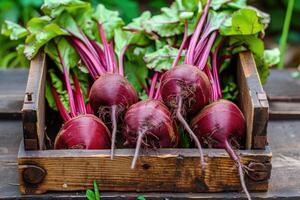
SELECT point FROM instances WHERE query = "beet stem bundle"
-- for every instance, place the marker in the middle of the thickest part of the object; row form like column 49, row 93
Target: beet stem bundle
column 80, row 130
column 111, row 90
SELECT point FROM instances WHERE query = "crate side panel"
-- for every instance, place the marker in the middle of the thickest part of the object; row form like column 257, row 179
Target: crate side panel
column 163, row 171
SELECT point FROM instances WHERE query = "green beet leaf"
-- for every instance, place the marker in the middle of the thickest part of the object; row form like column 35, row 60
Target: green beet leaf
column 13, row 30
column 54, row 8
column 162, row 59
column 110, row 20
column 243, row 22
column 68, row 53
column 35, row 41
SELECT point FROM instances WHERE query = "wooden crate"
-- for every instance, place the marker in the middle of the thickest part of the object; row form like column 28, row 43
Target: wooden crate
column 165, row 170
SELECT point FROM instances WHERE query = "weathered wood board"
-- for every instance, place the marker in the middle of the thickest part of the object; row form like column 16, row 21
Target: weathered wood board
column 166, row 170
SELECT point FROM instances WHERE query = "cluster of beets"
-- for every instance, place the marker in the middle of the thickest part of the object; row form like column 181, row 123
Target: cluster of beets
column 187, row 95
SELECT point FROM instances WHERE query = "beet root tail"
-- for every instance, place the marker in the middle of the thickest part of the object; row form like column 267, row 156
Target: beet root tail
column 191, row 133
column 137, row 148
column 114, row 131
column 237, row 161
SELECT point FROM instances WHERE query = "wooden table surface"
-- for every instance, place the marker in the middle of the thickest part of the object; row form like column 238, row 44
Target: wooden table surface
column 283, row 135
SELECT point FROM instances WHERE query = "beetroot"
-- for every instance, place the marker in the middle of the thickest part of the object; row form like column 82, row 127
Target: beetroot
column 111, row 94
column 150, row 123
column 185, row 90
column 81, row 129
column 221, row 125
column 188, row 83
column 112, row 90
column 83, row 132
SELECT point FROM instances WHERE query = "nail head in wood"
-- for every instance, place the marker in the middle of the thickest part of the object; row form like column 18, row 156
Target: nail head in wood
column 29, row 96
column 259, row 171
column 33, row 174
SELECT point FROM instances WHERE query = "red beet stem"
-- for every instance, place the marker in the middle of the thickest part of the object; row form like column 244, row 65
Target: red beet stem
column 90, row 56
column 189, row 59
column 153, row 83
column 137, row 148
column 121, row 64
column 114, row 130
column 89, row 109
column 79, row 96
column 237, row 161
column 106, row 48
column 113, row 57
column 100, row 53
column 191, row 133
column 204, row 56
column 184, row 41
column 157, row 94
column 68, row 84
column 215, row 70
column 89, row 45
column 61, row 108
column 214, row 95
column 87, row 62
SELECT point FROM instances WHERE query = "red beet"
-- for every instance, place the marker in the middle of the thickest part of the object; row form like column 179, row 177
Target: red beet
column 221, row 125
column 185, row 90
column 111, row 95
column 150, row 123
column 188, row 83
column 83, row 132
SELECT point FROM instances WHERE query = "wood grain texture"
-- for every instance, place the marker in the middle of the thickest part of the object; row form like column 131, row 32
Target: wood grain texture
column 284, row 110
column 281, row 86
column 253, row 102
column 33, row 108
column 166, row 170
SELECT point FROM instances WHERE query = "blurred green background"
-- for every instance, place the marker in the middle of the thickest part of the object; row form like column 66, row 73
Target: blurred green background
column 22, row 10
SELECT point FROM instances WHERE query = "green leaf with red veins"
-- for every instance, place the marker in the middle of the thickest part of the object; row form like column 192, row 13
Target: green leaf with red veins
column 110, row 20
column 68, row 53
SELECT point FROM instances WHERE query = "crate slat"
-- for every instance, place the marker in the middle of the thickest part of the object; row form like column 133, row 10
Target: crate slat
column 253, row 102
column 33, row 112
column 166, row 170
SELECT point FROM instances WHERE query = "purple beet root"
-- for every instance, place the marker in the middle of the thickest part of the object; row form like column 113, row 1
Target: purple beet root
column 83, row 132
column 188, row 83
column 185, row 89
column 149, row 123
column 111, row 95
column 222, row 125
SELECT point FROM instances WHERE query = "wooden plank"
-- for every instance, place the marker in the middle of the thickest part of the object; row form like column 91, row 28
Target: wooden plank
column 12, row 89
column 173, row 170
column 34, row 108
column 284, row 110
column 254, row 103
column 281, row 86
